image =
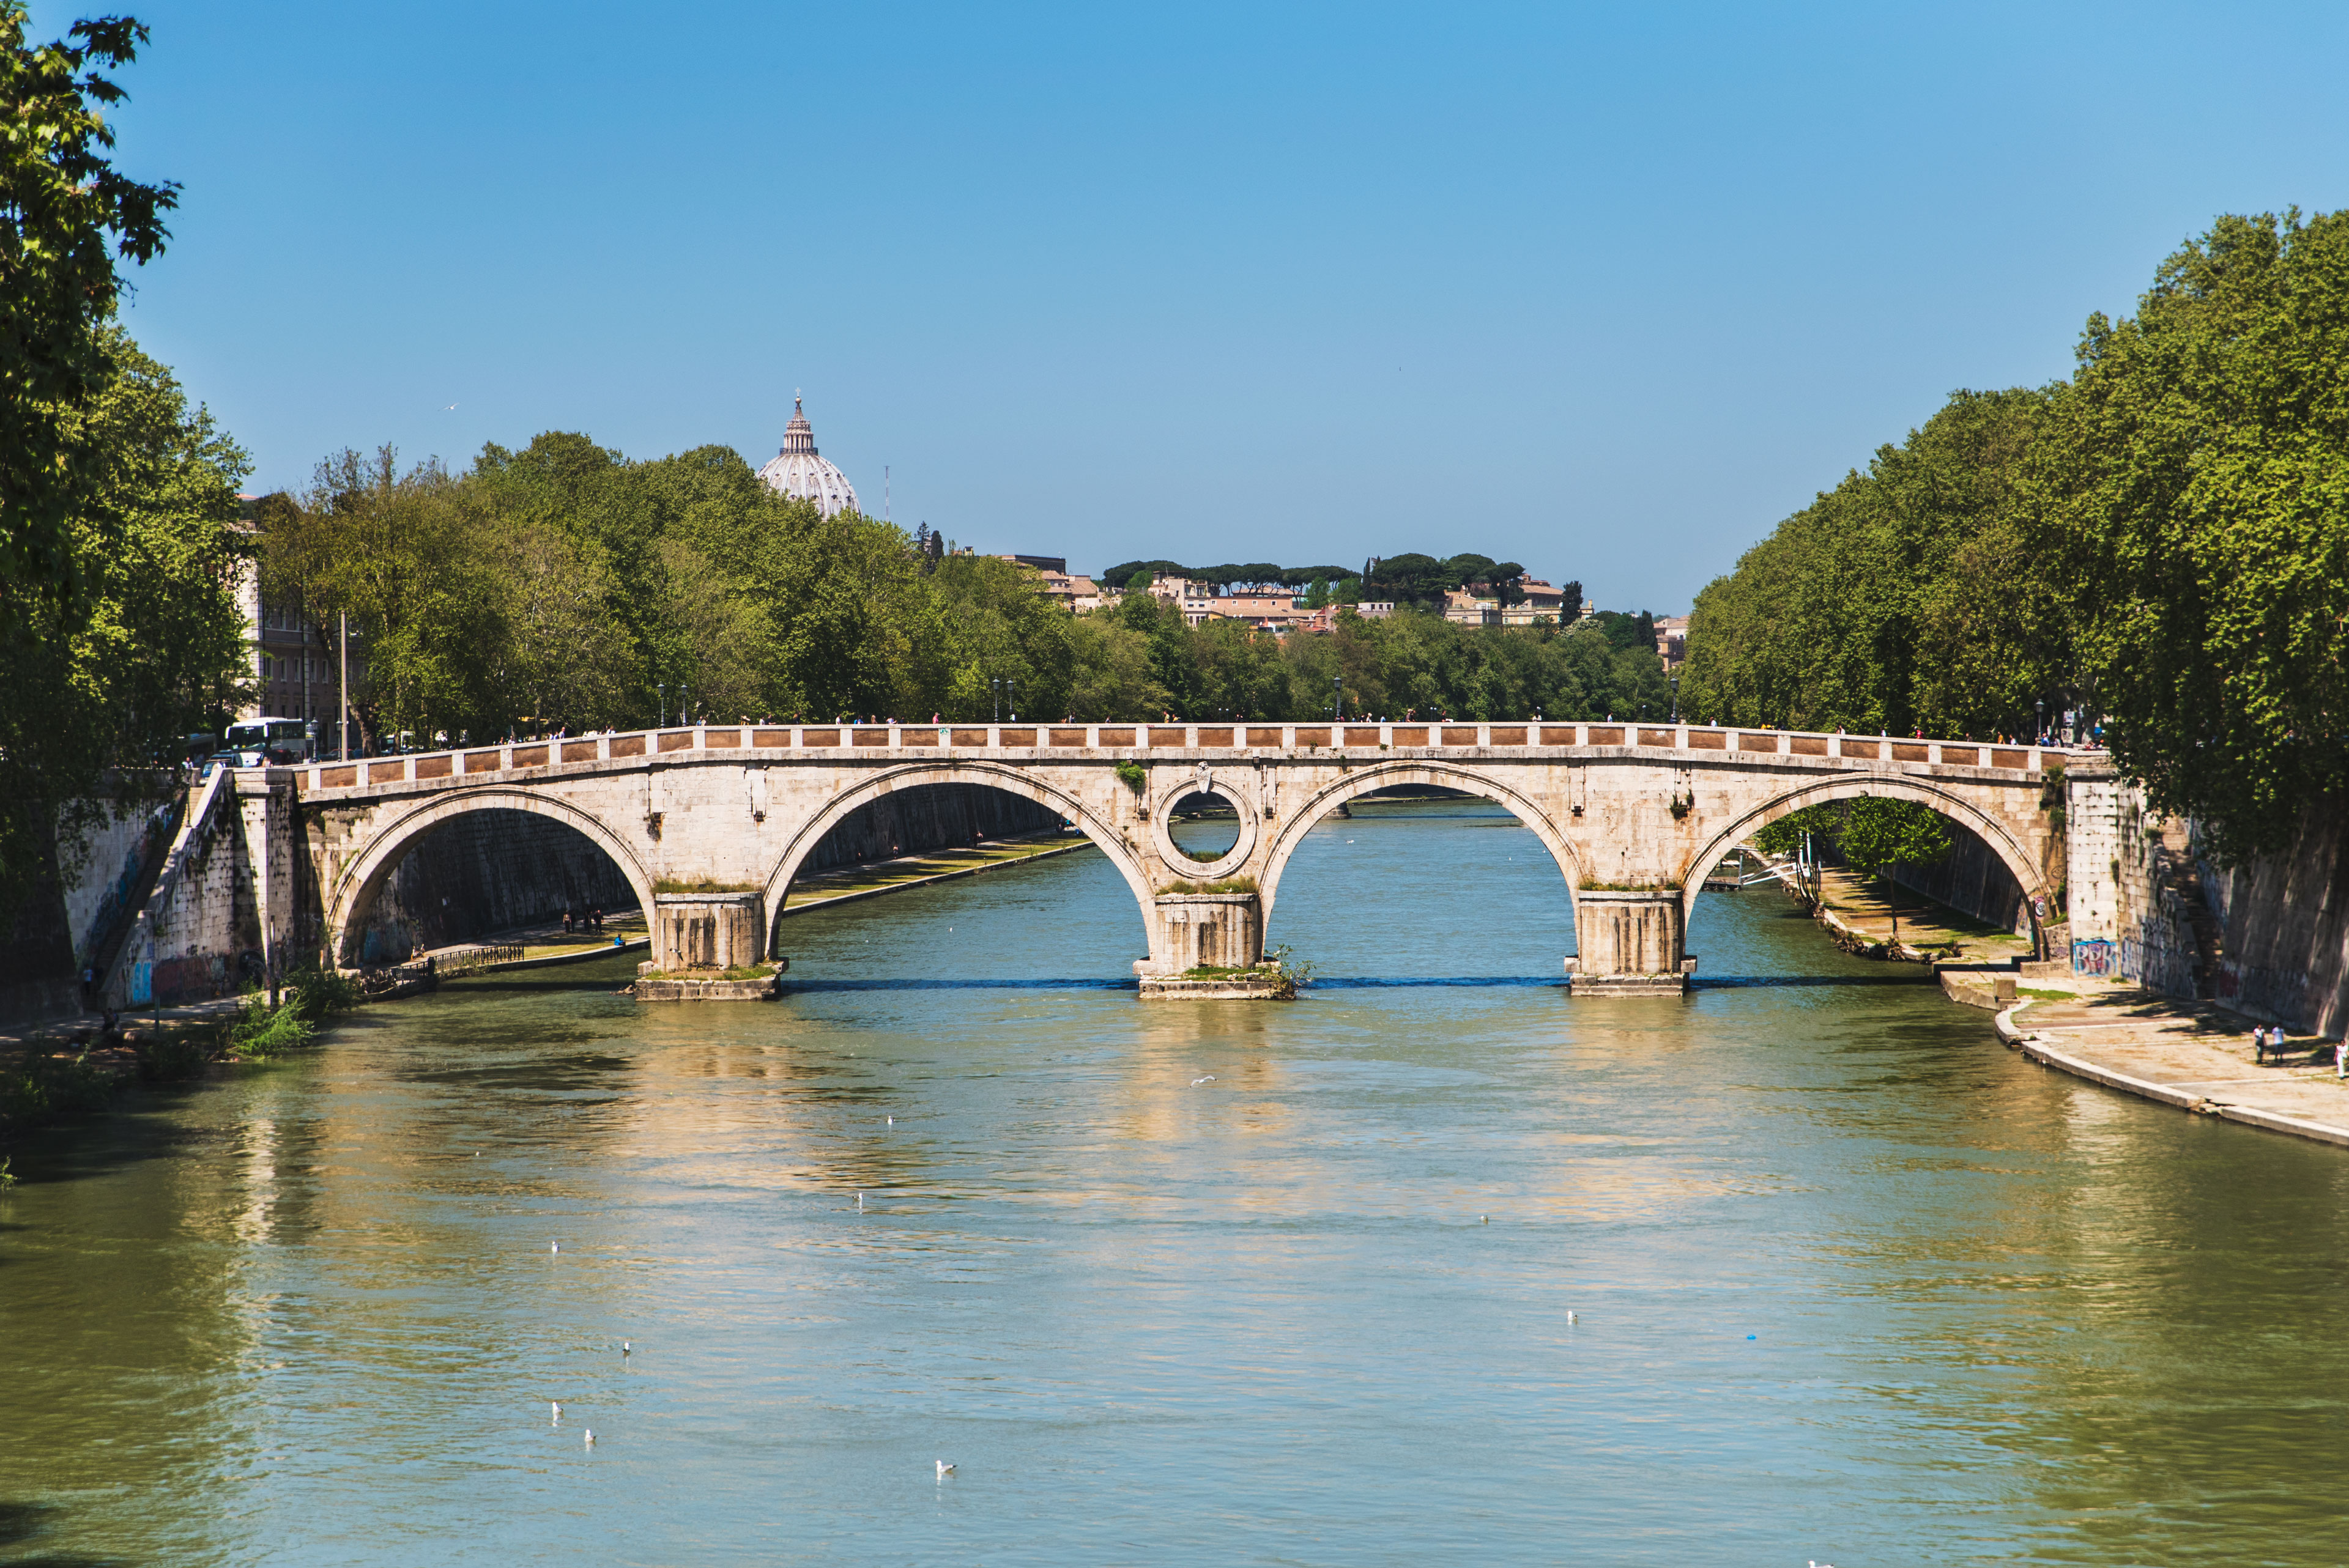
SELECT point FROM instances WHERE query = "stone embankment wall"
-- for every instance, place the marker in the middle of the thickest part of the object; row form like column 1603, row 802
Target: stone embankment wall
column 487, row 872
column 2284, row 949
column 79, row 902
column 1973, row 881
column 2129, row 920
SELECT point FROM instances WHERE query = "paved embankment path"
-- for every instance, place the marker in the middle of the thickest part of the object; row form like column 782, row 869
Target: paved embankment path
column 2190, row 1055
column 915, row 870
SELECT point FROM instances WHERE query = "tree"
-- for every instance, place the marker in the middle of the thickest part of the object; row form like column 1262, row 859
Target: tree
column 1871, row 834
column 61, row 203
column 121, row 665
column 2190, row 495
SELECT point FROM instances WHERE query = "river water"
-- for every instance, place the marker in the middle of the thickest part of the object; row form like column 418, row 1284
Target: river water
column 1196, row 1283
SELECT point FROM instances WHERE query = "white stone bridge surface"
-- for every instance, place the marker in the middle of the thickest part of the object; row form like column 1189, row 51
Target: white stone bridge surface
column 1634, row 814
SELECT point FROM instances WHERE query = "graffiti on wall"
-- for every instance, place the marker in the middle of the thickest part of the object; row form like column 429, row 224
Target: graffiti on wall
column 2277, row 993
column 2096, row 955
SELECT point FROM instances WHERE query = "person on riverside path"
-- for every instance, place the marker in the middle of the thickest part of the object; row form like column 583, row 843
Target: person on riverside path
column 2259, row 1042
column 2341, row 1059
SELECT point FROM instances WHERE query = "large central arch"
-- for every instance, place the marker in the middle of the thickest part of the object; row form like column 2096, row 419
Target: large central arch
column 2013, row 855
column 1364, row 781
column 988, row 775
column 362, row 880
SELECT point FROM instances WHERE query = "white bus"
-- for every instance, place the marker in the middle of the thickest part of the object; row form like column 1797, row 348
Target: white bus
column 260, row 742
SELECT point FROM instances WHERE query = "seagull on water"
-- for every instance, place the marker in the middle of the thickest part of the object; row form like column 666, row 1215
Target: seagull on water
column 558, row 1411
column 591, row 1443
column 1197, row 1082
column 554, row 1246
column 946, row 1470
column 626, row 1348
column 860, row 1202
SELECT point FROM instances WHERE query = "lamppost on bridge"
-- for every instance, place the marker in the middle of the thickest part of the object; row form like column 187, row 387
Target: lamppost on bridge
column 2038, row 720
column 1338, row 698
column 662, row 716
column 1676, row 699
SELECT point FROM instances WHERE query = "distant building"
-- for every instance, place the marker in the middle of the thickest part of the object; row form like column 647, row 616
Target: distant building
column 1375, row 609
column 798, row 472
column 1671, row 641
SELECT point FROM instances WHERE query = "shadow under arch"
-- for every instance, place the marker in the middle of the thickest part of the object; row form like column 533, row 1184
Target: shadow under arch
column 363, row 880
column 1379, row 775
column 916, row 775
column 1889, row 787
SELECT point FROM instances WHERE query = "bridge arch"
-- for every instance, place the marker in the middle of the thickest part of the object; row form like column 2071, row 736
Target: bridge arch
column 2012, row 853
column 355, row 889
column 1011, row 780
column 1468, row 780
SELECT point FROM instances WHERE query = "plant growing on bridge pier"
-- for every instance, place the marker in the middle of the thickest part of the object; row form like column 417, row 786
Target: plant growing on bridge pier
column 1133, row 777
column 1229, row 884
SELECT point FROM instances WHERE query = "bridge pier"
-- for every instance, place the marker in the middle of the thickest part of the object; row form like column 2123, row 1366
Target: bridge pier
column 1225, row 929
column 1628, row 943
column 708, row 930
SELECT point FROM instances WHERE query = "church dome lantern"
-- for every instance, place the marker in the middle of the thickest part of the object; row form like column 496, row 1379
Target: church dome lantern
column 797, row 471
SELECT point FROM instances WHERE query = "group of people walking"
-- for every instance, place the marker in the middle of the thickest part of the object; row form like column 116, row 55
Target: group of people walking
column 586, row 920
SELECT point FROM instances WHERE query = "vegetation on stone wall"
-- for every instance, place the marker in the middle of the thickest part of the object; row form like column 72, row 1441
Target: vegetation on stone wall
column 2162, row 541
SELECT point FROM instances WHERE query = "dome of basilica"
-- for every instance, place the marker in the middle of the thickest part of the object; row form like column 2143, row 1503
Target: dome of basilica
column 796, row 470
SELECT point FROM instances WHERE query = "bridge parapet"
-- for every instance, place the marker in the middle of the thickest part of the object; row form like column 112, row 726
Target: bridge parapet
column 880, row 743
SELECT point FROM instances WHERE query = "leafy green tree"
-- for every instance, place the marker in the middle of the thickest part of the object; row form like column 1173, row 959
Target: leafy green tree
column 66, row 213
column 2190, row 496
column 147, row 638
column 1003, row 628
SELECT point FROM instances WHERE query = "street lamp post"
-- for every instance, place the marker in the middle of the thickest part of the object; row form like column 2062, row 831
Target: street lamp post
column 1338, row 698
column 1676, row 699
column 2038, row 720
column 662, row 688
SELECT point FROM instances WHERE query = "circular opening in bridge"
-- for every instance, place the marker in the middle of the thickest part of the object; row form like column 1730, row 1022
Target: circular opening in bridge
column 1203, row 827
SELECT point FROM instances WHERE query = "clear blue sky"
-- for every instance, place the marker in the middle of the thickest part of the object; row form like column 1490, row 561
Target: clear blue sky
column 1607, row 290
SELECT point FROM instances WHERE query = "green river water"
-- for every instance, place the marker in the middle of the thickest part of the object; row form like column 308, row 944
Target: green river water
column 1180, row 1282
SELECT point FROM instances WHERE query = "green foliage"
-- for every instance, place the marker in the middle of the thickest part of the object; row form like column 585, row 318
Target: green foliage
column 1132, row 775
column 1228, row 885
column 1884, row 605
column 1784, row 836
column 177, row 1054
column 319, row 993
column 1870, row 835
column 2190, row 498
column 702, row 884
column 36, row 1088
column 112, row 673
column 2160, row 541
column 261, row 1031
column 68, row 213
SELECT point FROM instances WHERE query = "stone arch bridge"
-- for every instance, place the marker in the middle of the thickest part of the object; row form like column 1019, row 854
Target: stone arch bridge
column 1634, row 814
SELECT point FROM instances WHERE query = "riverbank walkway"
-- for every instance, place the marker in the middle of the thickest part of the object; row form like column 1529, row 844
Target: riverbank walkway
column 2193, row 1054
column 1873, row 912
